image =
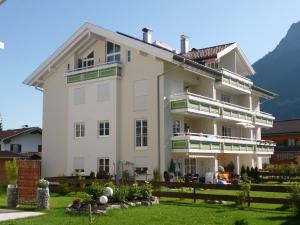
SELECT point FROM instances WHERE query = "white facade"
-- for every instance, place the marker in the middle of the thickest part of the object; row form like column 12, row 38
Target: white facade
column 146, row 107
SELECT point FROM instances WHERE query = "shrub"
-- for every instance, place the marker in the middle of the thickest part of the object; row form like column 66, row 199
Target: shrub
column 243, row 171
column 42, row 183
column 120, row 194
column 63, row 189
column 95, row 190
column 101, row 174
column 172, row 167
column 146, row 190
column 295, row 199
column 244, row 194
column 92, row 175
column 125, row 175
column 11, row 169
column 133, row 192
column 156, row 175
column 241, row 222
column 81, row 195
column 87, row 200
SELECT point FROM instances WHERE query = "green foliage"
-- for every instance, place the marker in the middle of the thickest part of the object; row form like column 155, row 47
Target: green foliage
column 133, row 192
column 11, row 169
column 252, row 173
column 125, row 175
column 63, row 189
column 101, row 174
column 95, row 190
column 241, row 222
column 81, row 195
column 146, row 190
column 121, row 193
column 42, row 183
column 87, row 200
column 172, row 167
column 156, row 175
column 243, row 171
column 295, row 199
column 244, row 193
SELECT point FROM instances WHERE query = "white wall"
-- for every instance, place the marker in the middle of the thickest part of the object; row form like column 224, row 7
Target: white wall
column 29, row 142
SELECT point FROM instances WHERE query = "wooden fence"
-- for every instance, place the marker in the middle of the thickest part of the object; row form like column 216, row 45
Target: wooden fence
column 78, row 185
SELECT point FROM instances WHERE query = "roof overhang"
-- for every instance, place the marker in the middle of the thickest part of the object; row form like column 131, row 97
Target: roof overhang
column 86, row 32
column 263, row 93
column 240, row 53
column 33, row 129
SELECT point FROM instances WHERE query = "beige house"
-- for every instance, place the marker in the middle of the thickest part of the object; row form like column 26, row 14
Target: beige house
column 114, row 102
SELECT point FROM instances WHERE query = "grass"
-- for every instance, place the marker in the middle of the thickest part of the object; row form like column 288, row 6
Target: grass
column 170, row 211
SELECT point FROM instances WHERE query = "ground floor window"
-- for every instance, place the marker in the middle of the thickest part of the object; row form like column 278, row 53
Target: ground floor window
column 103, row 164
column 190, row 166
column 78, row 164
column 141, row 170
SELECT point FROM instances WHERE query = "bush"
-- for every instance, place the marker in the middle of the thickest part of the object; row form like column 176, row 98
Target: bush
column 11, row 169
column 125, row 175
column 172, row 167
column 244, row 194
column 101, row 174
column 120, row 194
column 243, row 171
column 156, row 175
column 63, row 189
column 295, row 199
column 133, row 192
column 95, row 190
column 146, row 190
column 78, row 195
column 241, row 222
column 92, row 175
column 87, row 200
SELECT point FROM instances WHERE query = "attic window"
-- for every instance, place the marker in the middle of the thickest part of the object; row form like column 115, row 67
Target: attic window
column 113, row 52
column 86, row 61
column 213, row 65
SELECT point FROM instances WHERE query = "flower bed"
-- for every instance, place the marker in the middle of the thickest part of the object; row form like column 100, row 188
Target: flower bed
column 101, row 198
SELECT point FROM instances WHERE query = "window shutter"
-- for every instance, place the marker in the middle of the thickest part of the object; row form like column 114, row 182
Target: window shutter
column 79, row 96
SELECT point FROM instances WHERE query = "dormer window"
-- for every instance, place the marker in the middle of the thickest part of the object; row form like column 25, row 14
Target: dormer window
column 213, row 65
column 87, row 61
column 113, row 52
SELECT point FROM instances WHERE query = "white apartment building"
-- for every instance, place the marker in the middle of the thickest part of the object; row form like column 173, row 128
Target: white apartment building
column 112, row 101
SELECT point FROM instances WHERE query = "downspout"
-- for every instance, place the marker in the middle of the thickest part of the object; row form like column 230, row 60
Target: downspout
column 158, row 108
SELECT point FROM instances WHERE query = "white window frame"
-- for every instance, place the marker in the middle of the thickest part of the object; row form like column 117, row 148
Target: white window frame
column 226, row 131
column 176, row 127
column 105, row 122
column 82, row 130
column 225, row 98
column 129, row 56
column 142, row 136
column 104, row 164
column 113, row 54
column 85, row 60
column 190, row 165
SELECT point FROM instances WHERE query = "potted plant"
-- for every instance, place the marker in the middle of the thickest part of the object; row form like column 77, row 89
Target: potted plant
column 11, row 169
column 43, row 195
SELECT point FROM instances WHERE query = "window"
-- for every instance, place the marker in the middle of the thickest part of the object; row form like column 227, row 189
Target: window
column 225, row 98
column 78, row 164
column 103, row 92
column 113, row 52
column 226, row 131
column 39, row 148
column 291, row 142
column 79, row 130
column 190, row 166
column 141, row 170
column 141, row 133
column 15, row 148
column 79, row 96
column 87, row 61
column 176, row 127
column 104, row 128
column 128, row 56
column 103, row 164
column 213, row 65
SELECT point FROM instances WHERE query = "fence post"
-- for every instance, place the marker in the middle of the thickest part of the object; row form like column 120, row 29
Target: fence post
column 194, row 195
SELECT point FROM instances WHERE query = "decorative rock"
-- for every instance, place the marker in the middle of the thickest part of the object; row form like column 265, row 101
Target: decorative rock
column 12, row 196
column 138, row 203
column 115, row 206
column 100, row 212
column 108, row 191
column 103, row 200
column 131, row 203
column 43, row 197
column 125, row 206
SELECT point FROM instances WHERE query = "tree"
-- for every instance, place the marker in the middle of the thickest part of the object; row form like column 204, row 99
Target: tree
column 172, row 167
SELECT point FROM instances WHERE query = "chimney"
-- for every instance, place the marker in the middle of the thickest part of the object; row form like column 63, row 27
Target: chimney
column 184, row 44
column 147, row 35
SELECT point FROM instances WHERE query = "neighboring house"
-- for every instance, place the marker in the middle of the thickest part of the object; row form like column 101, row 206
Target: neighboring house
column 24, row 140
column 286, row 134
column 112, row 102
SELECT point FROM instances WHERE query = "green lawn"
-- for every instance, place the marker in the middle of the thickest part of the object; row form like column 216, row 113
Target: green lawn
column 170, row 211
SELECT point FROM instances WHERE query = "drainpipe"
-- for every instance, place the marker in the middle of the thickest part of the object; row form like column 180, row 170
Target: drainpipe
column 158, row 107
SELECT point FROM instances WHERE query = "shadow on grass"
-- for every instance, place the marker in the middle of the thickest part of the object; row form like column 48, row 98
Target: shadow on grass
column 289, row 220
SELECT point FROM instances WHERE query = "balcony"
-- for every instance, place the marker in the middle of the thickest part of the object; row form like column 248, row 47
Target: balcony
column 93, row 72
column 188, row 103
column 264, row 119
column 204, row 143
column 233, row 82
column 236, row 113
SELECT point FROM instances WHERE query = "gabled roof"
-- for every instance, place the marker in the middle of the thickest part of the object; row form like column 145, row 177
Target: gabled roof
column 205, row 53
column 7, row 134
column 284, row 127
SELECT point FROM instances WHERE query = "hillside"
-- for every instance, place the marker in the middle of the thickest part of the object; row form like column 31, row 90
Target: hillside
column 279, row 71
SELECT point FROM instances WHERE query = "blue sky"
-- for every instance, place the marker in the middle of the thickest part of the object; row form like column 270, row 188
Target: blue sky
column 33, row 29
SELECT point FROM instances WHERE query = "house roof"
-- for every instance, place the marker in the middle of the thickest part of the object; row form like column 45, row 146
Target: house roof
column 205, row 53
column 283, row 127
column 9, row 155
column 7, row 134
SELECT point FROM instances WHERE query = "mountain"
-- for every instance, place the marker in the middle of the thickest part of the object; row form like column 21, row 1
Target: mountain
column 279, row 71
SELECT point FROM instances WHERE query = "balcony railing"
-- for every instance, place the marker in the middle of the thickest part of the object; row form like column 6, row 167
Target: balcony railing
column 197, row 142
column 234, row 80
column 93, row 72
column 201, row 105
